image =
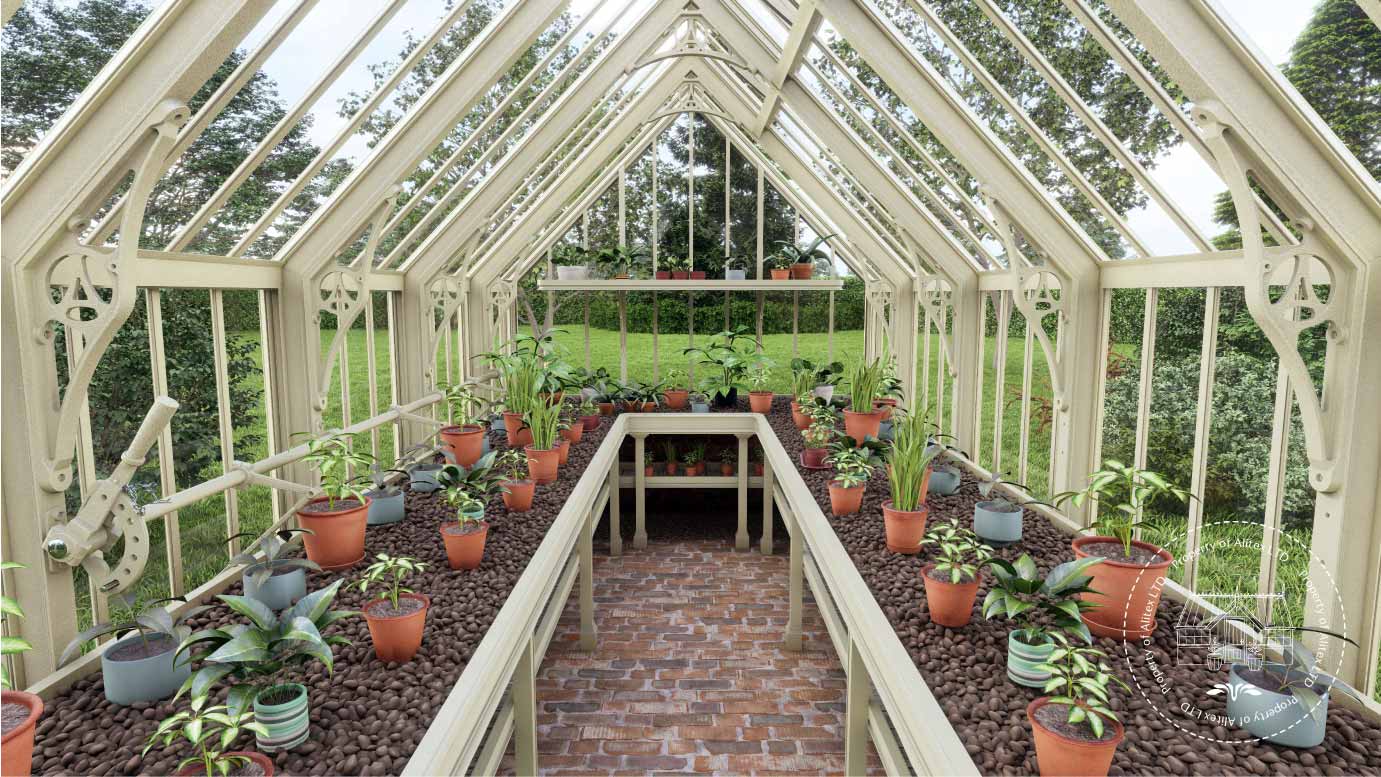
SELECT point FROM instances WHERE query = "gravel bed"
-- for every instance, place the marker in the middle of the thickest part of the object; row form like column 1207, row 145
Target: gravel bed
column 369, row 716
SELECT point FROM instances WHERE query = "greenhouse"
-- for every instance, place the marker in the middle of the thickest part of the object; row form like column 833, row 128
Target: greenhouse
column 526, row 387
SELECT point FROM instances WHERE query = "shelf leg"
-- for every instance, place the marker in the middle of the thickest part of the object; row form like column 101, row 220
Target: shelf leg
column 795, row 584
column 743, row 541
column 639, row 493
column 587, row 586
column 615, row 532
column 768, row 488
column 525, row 713
column 860, row 692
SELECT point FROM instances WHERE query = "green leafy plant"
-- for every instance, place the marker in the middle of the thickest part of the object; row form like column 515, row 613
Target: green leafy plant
column 129, row 613
column 676, row 379
column 10, row 646
column 570, row 255
column 272, row 546
column 465, row 489
column 760, row 374
column 1297, row 673
column 728, row 456
column 726, row 359
column 382, row 480
column 211, row 730
column 818, row 434
column 847, row 454
column 692, row 457
column 958, row 551
column 802, row 383
column 513, row 463
column 1119, row 492
column 465, row 408
column 1081, row 676
column 545, row 422
column 643, row 392
column 823, row 374
column 390, row 571
column 333, row 458
column 669, row 450
column 250, row 656
column 865, row 381
column 804, row 253
column 1019, row 593
column 850, row 478
column 910, row 458
column 586, row 407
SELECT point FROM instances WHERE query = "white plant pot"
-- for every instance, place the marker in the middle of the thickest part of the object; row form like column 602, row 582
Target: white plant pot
column 825, row 392
column 735, row 275
column 575, row 272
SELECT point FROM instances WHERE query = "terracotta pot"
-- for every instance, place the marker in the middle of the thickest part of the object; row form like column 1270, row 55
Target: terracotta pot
column 886, row 406
column 190, row 770
column 398, row 637
column 518, row 434
column 553, row 399
column 905, row 528
column 466, row 443
column 337, row 538
column 1128, row 594
column 649, row 470
column 631, row 406
column 680, row 275
column 726, row 468
column 517, row 495
column 801, row 420
column 591, row 422
column 845, row 501
column 649, row 407
column 662, row 275
column 606, row 408
column 781, row 275
column 464, row 551
column 862, row 425
column 18, row 744
column 697, row 275
column 692, row 470
column 814, row 457
column 677, row 399
column 542, row 464
column 563, row 449
column 950, row 604
column 574, row 432
column 1059, row 756
column 757, row 468
column 671, row 468
column 760, row 401
column 802, row 271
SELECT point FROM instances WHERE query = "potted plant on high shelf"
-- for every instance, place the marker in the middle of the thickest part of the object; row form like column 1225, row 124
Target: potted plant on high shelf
column 759, row 379
column 572, row 263
column 951, row 581
column 727, row 361
column 465, row 436
column 997, row 518
column 699, row 402
column 21, row 709
column 277, row 579
column 679, row 266
column 727, row 457
column 338, row 517
column 141, row 664
column 1127, row 578
column 732, row 271
column 1075, row 732
column 853, row 465
column 779, row 266
column 398, row 618
column 864, row 383
column 1038, row 605
column 620, row 262
column 210, row 729
column 801, row 258
column 251, row 658
column 904, row 515
column 697, row 275
column 543, row 454
column 676, row 394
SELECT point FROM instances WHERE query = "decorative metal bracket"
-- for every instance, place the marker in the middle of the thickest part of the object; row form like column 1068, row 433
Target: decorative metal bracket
column 89, row 291
column 936, row 296
column 446, row 293
column 695, row 42
column 690, row 97
column 1295, row 271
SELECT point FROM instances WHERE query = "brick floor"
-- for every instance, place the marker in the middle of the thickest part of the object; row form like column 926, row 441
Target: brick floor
column 689, row 673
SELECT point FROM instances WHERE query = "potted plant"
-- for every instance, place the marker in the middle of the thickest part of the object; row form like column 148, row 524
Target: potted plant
column 572, row 263
column 778, row 266
column 817, row 437
column 386, row 501
column 21, row 709
column 864, row 382
column 679, row 266
column 726, row 462
column 731, row 270
column 276, row 580
column 422, row 475
column 141, row 663
column 669, row 452
column 821, row 379
column 588, row 412
column 338, row 517
column 801, row 258
column 1127, row 578
column 522, row 383
column 699, row 403
column 543, row 454
column 465, row 437
column 676, row 394
column 210, row 729
column 945, row 478
column 1019, row 593
column 904, row 515
column 642, row 398
column 607, row 395
column 697, row 275
column 1285, row 701
column 997, row 519
column 396, row 619
column 662, row 274
column 890, row 390
column 951, row 581
column 251, row 657
column 727, row 362
column 691, row 463
column 853, row 465
column 1075, row 732
column 759, row 378
column 649, row 464
column 518, row 488
column 574, row 430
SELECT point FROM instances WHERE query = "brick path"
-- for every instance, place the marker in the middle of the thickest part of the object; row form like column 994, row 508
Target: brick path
column 689, row 674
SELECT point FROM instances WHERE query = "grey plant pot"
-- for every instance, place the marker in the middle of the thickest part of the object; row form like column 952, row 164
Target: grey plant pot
column 423, row 478
column 885, row 430
column 574, row 272
column 384, row 508
column 498, row 425
column 825, row 392
column 279, row 591
column 735, row 275
column 143, row 679
column 700, row 407
column 1275, row 717
column 994, row 526
column 944, row 481
column 1022, row 660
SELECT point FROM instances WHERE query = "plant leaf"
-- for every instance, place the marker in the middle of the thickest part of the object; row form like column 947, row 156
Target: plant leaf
column 258, row 612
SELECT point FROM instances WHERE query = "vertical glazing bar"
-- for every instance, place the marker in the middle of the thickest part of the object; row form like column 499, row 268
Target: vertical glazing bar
column 153, row 304
column 795, row 575
column 925, row 362
column 524, row 695
column 393, row 371
column 1024, row 434
column 585, row 298
column 759, row 321
column 224, row 421
column 759, row 246
column 1143, row 395
column 656, row 236
column 446, row 325
column 1275, row 493
column 639, row 492
column 728, row 239
column 742, row 540
column 1104, row 345
column 656, row 357
column 940, row 378
column 270, row 378
column 615, row 531
column 623, row 336
column 829, row 338
column 690, row 194
column 984, row 300
column 1203, row 420
column 795, row 324
column 857, row 696
column 726, row 311
column 1004, row 312
column 767, row 491
column 371, row 365
column 587, row 582
column 623, row 218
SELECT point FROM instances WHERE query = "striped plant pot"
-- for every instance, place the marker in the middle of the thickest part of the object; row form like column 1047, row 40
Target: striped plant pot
column 287, row 722
column 1022, row 660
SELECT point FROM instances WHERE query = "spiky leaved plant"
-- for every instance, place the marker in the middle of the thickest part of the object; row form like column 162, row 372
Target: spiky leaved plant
column 910, row 458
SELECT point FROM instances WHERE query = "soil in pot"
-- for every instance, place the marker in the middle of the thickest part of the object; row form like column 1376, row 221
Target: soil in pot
column 465, row 543
column 337, row 538
column 258, row 765
column 518, row 494
column 950, row 604
column 760, row 401
column 862, row 425
column 845, row 501
column 19, row 712
column 1063, row 748
column 1128, row 586
column 397, row 631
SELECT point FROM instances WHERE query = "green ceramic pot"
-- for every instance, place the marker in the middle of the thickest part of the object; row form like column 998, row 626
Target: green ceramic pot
column 1022, row 660
column 286, row 722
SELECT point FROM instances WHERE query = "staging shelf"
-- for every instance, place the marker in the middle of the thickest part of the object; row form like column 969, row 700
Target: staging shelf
column 712, row 284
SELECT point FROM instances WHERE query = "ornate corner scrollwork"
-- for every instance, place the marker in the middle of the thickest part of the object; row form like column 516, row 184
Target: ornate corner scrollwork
column 89, row 291
column 937, row 298
column 694, row 42
column 446, row 294
column 1281, row 290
